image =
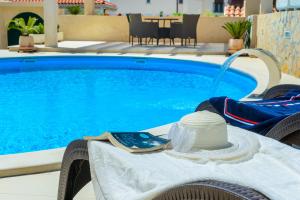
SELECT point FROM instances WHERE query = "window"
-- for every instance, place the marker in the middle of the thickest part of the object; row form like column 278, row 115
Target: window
column 218, row 6
column 239, row 3
column 148, row 1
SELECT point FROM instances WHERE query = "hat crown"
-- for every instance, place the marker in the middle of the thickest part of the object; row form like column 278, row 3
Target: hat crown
column 201, row 118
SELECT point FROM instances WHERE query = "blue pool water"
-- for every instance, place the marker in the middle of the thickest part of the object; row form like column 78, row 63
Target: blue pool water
column 46, row 102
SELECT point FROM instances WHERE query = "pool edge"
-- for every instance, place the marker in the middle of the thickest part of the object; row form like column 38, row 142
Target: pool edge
column 45, row 160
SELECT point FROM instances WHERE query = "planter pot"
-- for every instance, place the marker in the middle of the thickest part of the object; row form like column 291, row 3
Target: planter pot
column 26, row 43
column 235, row 45
column 40, row 38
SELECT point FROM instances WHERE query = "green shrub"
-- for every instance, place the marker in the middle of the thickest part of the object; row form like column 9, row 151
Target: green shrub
column 208, row 13
column 177, row 14
column 25, row 28
column 237, row 29
column 40, row 29
column 74, row 10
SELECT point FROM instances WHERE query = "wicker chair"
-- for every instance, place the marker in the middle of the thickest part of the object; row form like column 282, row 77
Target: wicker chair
column 75, row 174
column 130, row 32
column 186, row 30
column 75, row 170
column 139, row 29
column 287, row 131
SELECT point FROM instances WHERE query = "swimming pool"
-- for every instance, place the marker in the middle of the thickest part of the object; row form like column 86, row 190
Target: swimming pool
column 46, row 102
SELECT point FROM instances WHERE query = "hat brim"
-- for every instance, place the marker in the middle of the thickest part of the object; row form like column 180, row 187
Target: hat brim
column 242, row 148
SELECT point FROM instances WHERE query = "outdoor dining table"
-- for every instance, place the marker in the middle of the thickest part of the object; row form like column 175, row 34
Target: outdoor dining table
column 165, row 31
column 164, row 19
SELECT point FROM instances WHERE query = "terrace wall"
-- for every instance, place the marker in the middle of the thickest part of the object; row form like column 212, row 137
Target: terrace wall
column 9, row 11
column 115, row 28
column 280, row 34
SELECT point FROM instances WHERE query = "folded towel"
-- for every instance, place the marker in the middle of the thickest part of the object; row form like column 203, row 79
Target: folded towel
column 116, row 174
column 257, row 116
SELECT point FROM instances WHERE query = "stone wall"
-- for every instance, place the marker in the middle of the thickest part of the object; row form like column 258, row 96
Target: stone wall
column 115, row 28
column 280, row 34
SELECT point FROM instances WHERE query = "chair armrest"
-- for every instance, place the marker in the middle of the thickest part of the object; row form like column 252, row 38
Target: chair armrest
column 279, row 90
column 211, row 189
column 286, row 128
column 206, row 105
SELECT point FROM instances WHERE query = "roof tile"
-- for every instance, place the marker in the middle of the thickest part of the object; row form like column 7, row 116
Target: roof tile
column 67, row 2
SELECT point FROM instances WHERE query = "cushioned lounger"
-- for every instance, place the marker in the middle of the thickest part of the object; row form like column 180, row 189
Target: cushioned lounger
column 75, row 174
column 75, row 170
column 276, row 116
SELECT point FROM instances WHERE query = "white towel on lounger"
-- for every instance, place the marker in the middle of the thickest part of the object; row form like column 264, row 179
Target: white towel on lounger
column 116, row 175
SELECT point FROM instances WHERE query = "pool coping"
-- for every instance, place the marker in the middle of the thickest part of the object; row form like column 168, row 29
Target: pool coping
column 50, row 160
column 46, row 160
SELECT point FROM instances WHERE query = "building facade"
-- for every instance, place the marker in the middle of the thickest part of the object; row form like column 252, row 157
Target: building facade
column 168, row 7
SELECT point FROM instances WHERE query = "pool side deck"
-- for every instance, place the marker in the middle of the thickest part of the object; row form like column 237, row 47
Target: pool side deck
column 44, row 186
column 125, row 47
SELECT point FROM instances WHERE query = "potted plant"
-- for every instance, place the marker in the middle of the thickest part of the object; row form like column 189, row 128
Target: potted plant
column 237, row 31
column 26, row 42
column 39, row 35
column 177, row 14
column 161, row 13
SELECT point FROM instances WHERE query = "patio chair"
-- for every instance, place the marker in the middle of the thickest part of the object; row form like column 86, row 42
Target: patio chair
column 75, row 174
column 163, row 33
column 186, row 30
column 130, row 32
column 140, row 29
column 287, row 130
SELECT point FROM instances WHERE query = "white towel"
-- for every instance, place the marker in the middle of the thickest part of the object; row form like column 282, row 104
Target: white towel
column 116, row 175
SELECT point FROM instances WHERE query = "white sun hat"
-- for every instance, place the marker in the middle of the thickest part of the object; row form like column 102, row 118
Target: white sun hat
column 202, row 136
